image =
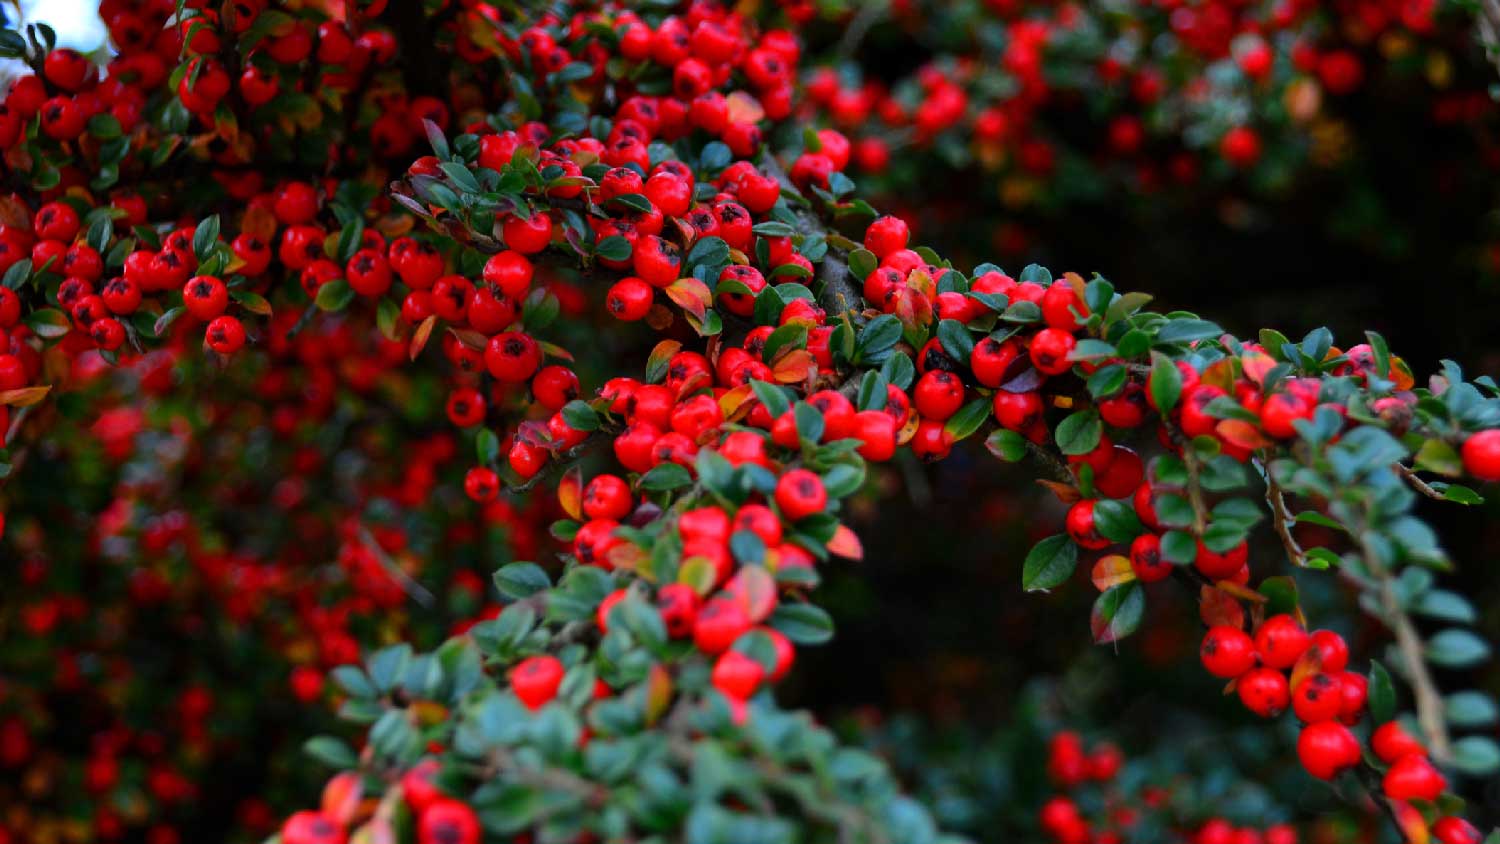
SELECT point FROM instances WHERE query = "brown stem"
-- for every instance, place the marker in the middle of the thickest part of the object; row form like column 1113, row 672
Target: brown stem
column 1429, row 701
column 1282, row 519
column 1417, row 483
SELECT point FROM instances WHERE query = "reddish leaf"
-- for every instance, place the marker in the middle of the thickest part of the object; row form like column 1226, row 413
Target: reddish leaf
column 341, row 797
column 25, row 396
column 658, row 693
column 1216, row 608
column 845, row 543
column 424, row 331
column 570, row 493
column 755, row 591
column 1241, row 433
column 796, row 367
column 744, row 108
column 691, row 295
column 1112, row 570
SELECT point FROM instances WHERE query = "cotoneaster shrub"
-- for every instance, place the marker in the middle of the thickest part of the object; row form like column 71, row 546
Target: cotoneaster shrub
column 244, row 204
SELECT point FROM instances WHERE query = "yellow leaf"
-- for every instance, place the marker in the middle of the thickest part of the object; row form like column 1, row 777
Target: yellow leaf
column 424, row 331
column 25, row 396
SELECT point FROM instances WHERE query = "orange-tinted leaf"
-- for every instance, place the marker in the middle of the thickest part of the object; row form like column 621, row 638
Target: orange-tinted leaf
column 1076, row 282
column 1112, row 570
column 755, row 591
column 627, row 556
column 1413, row 825
column 845, row 543
column 570, row 492
column 661, row 354
column 1401, row 374
column 260, row 222
column 469, row 337
column 553, row 350
column 908, row 428
column 658, row 693
column 691, row 295
column 1256, row 365
column 1310, row 663
column 25, row 396
column 744, row 108
column 1220, row 373
column 1066, row 493
column 1216, row 607
column 341, row 797
column 424, row 331
column 795, row 367
column 736, row 402
column 1241, row 433
column 1244, row 593
column 15, row 213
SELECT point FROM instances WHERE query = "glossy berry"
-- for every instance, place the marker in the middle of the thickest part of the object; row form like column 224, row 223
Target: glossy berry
column 1317, row 698
column 1412, row 777
column 535, row 680
column 1146, row 561
column 1264, row 691
column 799, row 494
column 311, row 828
column 1227, row 652
column 448, row 821
column 1281, row 641
column 1391, row 741
column 1082, row 528
column 1481, row 455
column 1050, row 350
column 737, row 675
column 1326, row 748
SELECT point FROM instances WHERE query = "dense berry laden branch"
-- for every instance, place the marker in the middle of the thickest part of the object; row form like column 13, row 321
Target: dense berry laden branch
column 626, row 694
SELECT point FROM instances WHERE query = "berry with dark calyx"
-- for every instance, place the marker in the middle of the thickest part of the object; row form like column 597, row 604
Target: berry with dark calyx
column 799, row 494
column 309, row 827
column 1081, row 527
column 1317, row 698
column 1264, row 691
column 1227, row 652
column 1452, row 830
column 1051, row 349
column 1146, row 561
column 448, row 821
column 1281, row 641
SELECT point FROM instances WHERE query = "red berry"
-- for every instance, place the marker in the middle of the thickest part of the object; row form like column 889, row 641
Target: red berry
column 938, row 394
column 1227, row 652
column 1050, row 349
column 311, row 828
column 1481, row 455
column 1391, row 741
column 1281, row 641
column 1455, row 831
column 1412, row 777
column 535, row 680
column 718, row 624
column 1326, row 748
column 448, row 821
column 799, row 494
column 737, row 675
column 225, row 335
column 1317, row 698
column 512, row 357
column 1081, row 527
column 1264, row 691
column 886, row 235
column 1146, row 561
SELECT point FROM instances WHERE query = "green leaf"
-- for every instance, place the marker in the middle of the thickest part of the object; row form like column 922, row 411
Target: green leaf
column 862, row 262
column 334, row 295
column 1477, row 756
column 613, row 248
column 486, row 447
column 956, row 340
column 1165, row 383
column 803, row 623
column 1116, row 520
column 1455, row 648
column 1080, row 432
column 1187, row 331
column 665, row 476
column 580, row 416
column 1468, row 710
column 1049, row 563
column 1006, row 445
column 521, row 580
column 1438, row 456
column 772, row 397
column 386, row 666
column 1381, row 694
column 47, row 323
column 205, row 236
column 969, row 419
column 331, row 751
column 1117, row 612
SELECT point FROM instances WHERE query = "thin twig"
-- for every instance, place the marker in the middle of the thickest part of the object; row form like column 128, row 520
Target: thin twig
column 1417, row 483
column 1429, row 701
column 1282, row 519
